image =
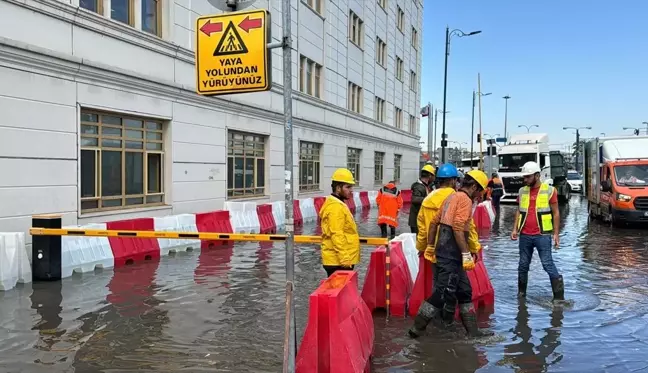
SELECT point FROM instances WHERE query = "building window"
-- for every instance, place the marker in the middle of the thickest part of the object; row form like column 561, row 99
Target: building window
column 121, row 162
column 399, row 69
column 353, row 163
column 355, row 29
column 382, row 3
column 381, row 52
column 151, row 12
column 309, row 166
column 245, row 164
column 379, row 109
column 414, row 38
column 413, row 81
column 316, row 5
column 92, row 5
column 397, row 167
column 398, row 118
column 412, row 125
column 310, row 77
column 379, row 159
column 400, row 19
column 122, row 11
column 355, row 98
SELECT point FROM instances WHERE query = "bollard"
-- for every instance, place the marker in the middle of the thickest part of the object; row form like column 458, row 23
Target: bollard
column 46, row 250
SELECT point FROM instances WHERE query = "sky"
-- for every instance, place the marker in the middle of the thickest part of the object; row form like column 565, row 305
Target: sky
column 573, row 63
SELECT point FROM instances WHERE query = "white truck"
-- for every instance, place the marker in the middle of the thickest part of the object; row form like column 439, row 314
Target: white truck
column 531, row 147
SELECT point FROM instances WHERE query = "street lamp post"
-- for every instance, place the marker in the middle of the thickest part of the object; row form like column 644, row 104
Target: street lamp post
column 577, row 142
column 472, row 125
column 449, row 35
column 506, row 98
column 528, row 128
column 434, row 137
column 635, row 129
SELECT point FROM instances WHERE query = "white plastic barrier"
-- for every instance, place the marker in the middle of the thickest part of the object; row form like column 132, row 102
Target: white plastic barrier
column 307, row 207
column 279, row 213
column 240, row 220
column 372, row 197
column 491, row 211
column 250, row 211
column 84, row 254
column 14, row 262
column 357, row 201
column 409, row 250
column 176, row 223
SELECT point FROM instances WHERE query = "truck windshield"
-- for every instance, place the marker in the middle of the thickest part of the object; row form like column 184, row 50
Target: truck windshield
column 632, row 175
column 514, row 162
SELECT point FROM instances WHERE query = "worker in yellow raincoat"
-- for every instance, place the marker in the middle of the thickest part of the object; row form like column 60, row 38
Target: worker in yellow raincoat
column 447, row 176
column 340, row 239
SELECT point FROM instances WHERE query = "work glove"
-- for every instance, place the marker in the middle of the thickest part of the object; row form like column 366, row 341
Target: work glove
column 430, row 253
column 467, row 261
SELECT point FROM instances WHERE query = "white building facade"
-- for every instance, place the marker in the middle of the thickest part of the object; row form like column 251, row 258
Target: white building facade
column 99, row 119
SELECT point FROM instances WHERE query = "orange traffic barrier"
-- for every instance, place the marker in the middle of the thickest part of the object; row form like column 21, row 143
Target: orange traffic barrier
column 373, row 290
column 130, row 250
column 423, row 286
column 481, row 218
column 407, row 195
column 339, row 334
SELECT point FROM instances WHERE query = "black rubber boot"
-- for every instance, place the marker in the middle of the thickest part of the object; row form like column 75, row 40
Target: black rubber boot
column 469, row 320
column 558, row 288
column 426, row 313
column 523, row 279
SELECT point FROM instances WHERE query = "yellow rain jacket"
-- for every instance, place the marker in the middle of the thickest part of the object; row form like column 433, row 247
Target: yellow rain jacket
column 340, row 239
column 429, row 208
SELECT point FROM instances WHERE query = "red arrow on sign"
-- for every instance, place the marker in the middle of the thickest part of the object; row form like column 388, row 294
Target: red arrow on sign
column 248, row 24
column 209, row 28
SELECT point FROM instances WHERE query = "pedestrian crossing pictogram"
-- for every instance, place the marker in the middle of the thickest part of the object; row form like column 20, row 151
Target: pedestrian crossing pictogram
column 230, row 43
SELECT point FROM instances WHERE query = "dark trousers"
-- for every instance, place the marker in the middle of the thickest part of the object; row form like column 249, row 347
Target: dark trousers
column 414, row 229
column 331, row 269
column 383, row 230
column 496, row 203
column 542, row 243
column 451, row 285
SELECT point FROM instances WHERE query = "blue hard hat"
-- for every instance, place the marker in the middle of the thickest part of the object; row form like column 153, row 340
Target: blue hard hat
column 447, row 171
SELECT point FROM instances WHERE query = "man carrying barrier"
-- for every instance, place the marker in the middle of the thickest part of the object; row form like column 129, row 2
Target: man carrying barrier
column 389, row 203
column 536, row 221
column 452, row 242
column 340, row 239
column 420, row 190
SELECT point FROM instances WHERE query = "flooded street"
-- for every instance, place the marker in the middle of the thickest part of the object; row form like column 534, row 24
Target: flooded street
column 223, row 310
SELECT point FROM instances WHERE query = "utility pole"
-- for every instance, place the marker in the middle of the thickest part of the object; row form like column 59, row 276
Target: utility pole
column 436, row 116
column 481, row 135
column 472, row 131
column 578, row 144
column 506, row 98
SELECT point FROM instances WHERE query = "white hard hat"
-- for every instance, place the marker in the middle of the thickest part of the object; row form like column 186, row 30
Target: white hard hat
column 530, row 168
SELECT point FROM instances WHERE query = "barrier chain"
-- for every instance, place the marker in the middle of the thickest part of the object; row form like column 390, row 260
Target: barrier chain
column 387, row 278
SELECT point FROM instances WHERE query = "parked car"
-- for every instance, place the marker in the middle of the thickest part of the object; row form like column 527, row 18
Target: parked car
column 575, row 181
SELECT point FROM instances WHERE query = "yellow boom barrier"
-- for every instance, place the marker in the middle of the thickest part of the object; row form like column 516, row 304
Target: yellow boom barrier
column 189, row 235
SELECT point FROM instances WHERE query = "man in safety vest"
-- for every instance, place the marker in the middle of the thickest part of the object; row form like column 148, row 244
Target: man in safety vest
column 452, row 228
column 420, row 190
column 536, row 221
column 425, row 242
column 340, row 239
column 389, row 203
column 495, row 191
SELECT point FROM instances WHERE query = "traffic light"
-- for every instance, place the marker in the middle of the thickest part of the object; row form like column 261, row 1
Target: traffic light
column 479, row 137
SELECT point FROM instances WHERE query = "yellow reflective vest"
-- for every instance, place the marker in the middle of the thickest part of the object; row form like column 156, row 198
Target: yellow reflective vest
column 542, row 207
column 429, row 208
column 340, row 239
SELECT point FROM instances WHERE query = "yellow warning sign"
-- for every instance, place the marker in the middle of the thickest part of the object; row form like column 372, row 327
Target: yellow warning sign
column 232, row 54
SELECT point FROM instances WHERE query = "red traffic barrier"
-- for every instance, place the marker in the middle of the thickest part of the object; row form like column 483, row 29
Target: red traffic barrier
column 128, row 250
column 373, row 290
column 339, row 335
column 350, row 204
column 481, row 218
column 407, row 195
column 297, row 215
column 423, row 286
column 266, row 219
column 364, row 198
column 213, row 222
column 319, row 202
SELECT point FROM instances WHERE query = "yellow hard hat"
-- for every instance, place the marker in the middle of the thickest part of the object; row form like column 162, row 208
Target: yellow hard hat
column 428, row 168
column 343, row 175
column 480, row 177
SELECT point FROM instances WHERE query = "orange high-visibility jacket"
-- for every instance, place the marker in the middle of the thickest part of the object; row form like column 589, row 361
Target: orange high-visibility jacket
column 389, row 201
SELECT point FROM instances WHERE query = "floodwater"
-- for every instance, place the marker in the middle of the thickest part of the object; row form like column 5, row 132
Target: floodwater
column 222, row 310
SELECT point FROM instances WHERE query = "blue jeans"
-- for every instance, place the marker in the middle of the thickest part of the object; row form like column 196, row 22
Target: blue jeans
column 543, row 244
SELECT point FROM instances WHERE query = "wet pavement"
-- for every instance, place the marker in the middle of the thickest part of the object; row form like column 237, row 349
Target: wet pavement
column 222, row 310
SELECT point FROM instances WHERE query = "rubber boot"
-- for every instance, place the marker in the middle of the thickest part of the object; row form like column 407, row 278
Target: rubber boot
column 523, row 279
column 558, row 288
column 426, row 313
column 469, row 320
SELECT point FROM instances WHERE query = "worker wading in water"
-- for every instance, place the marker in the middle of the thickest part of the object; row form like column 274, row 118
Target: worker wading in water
column 389, row 203
column 449, row 240
column 340, row 239
column 495, row 191
column 420, row 190
column 536, row 221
